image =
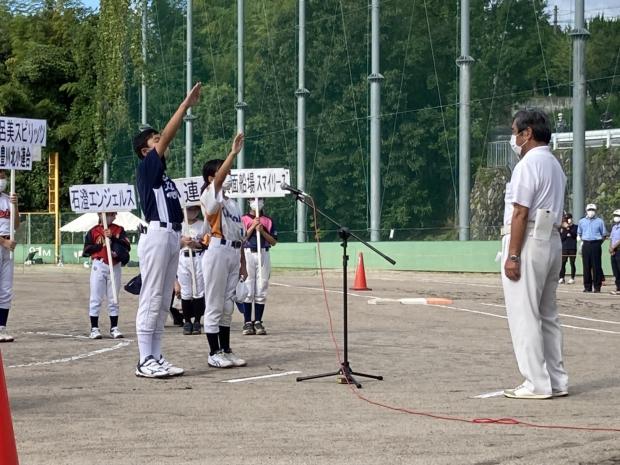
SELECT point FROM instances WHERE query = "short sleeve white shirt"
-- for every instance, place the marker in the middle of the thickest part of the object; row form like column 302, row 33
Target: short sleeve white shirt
column 194, row 230
column 537, row 182
column 222, row 214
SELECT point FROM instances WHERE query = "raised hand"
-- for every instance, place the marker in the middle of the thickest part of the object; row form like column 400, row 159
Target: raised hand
column 193, row 95
column 237, row 144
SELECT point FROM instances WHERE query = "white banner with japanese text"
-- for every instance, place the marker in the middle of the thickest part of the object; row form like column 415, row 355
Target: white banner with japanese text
column 21, row 140
column 258, row 182
column 102, row 198
column 23, row 131
column 189, row 188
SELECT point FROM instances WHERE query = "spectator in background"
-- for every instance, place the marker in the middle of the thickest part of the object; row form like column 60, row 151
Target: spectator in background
column 591, row 230
column 614, row 250
column 568, row 234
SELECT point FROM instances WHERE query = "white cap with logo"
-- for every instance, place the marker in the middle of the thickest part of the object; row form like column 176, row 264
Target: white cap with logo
column 591, row 206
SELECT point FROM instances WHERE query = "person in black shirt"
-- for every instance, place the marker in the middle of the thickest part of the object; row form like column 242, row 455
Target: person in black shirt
column 568, row 233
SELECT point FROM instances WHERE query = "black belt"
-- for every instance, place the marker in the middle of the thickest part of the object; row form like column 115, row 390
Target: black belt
column 255, row 250
column 221, row 240
column 173, row 226
column 597, row 240
column 187, row 253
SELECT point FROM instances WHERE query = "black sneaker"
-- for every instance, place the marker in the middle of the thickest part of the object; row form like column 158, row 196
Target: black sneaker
column 197, row 328
column 187, row 329
column 248, row 329
column 260, row 329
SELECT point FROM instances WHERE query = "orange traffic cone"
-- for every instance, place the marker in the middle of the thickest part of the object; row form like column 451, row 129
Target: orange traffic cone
column 8, row 451
column 360, row 275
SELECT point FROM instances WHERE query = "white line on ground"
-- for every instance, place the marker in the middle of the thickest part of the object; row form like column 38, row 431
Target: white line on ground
column 504, row 317
column 566, row 315
column 489, row 394
column 335, row 291
column 275, row 375
column 121, row 344
column 453, row 308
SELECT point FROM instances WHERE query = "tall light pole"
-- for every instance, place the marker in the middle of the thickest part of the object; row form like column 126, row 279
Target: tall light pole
column 375, row 79
column 579, row 35
column 189, row 117
column 240, row 105
column 301, row 93
column 464, row 62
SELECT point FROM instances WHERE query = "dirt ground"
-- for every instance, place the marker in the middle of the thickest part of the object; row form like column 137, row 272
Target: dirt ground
column 77, row 401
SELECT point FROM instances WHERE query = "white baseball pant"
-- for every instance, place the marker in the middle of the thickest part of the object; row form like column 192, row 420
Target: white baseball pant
column 6, row 278
column 532, row 313
column 220, row 265
column 257, row 288
column 158, row 252
column 101, row 287
column 184, row 276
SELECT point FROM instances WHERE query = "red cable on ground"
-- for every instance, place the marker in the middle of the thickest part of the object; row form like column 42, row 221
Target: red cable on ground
column 475, row 421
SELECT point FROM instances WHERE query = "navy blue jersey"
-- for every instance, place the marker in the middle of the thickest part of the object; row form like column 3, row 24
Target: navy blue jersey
column 159, row 196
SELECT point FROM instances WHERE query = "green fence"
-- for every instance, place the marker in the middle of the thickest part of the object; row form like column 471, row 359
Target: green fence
column 452, row 256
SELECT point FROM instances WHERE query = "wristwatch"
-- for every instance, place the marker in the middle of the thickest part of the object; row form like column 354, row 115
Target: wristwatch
column 514, row 258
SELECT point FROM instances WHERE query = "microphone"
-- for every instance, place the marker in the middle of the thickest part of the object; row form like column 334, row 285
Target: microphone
column 294, row 190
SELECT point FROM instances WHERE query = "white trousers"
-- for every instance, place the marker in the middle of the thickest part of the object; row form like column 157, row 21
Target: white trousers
column 6, row 278
column 532, row 313
column 257, row 287
column 101, row 287
column 220, row 267
column 158, row 252
column 184, row 276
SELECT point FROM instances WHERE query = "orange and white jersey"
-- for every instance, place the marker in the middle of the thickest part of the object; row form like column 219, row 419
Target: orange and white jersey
column 222, row 215
column 5, row 214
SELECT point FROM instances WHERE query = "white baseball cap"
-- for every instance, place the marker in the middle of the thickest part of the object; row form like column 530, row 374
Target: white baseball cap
column 591, row 206
column 617, row 212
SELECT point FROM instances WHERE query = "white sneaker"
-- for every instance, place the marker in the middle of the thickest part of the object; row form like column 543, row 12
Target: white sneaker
column 521, row 392
column 169, row 367
column 219, row 360
column 561, row 281
column 5, row 336
column 115, row 333
column 151, row 369
column 236, row 361
column 571, row 281
column 95, row 333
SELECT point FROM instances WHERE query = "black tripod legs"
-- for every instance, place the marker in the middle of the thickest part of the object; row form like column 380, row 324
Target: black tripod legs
column 345, row 375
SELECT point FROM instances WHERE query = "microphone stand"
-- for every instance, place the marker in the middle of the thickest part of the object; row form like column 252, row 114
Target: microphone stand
column 345, row 371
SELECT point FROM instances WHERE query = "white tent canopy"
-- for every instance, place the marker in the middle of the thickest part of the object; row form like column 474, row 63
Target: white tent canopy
column 83, row 223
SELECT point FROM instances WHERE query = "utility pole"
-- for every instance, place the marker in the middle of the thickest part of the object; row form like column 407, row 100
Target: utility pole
column 240, row 105
column 375, row 79
column 464, row 62
column 143, row 86
column 579, row 35
column 301, row 93
column 189, row 117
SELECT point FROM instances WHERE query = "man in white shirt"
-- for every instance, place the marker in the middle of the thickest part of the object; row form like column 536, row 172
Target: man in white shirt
column 532, row 255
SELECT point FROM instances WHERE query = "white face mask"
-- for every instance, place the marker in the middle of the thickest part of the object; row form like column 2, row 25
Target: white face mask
column 2, row 185
column 590, row 213
column 569, row 221
column 513, row 145
column 253, row 205
column 616, row 219
column 227, row 184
